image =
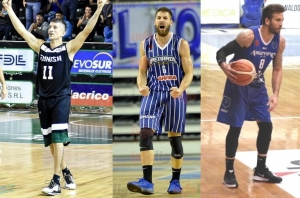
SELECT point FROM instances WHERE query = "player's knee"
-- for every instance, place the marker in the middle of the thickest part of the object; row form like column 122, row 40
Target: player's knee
column 264, row 137
column 177, row 149
column 146, row 136
column 232, row 141
column 265, row 129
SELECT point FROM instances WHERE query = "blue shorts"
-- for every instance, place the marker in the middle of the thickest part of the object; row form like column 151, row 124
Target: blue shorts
column 242, row 103
column 54, row 119
column 159, row 108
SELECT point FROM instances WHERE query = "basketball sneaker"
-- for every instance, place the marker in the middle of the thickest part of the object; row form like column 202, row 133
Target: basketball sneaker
column 52, row 189
column 266, row 176
column 142, row 186
column 70, row 184
column 230, row 180
column 174, row 187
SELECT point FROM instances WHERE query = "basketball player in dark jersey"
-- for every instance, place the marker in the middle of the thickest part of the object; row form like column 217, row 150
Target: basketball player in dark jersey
column 53, row 85
column 166, row 59
column 260, row 45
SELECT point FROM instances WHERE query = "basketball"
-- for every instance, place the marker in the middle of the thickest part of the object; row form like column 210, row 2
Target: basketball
column 245, row 71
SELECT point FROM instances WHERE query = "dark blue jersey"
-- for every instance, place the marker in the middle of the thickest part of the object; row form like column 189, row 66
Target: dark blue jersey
column 53, row 73
column 260, row 54
column 165, row 68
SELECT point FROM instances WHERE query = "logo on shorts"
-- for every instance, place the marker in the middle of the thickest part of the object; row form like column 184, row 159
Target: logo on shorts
column 226, row 101
column 147, row 116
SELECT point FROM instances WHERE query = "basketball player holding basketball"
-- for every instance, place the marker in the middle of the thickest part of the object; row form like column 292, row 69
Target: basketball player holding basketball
column 260, row 45
column 166, row 59
column 53, row 85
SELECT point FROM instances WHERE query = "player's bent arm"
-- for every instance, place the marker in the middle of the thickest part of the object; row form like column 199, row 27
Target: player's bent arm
column 32, row 41
column 74, row 45
column 143, row 66
column 187, row 65
column 277, row 68
column 243, row 39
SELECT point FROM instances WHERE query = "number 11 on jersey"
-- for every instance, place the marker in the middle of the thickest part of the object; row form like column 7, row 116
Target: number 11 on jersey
column 50, row 77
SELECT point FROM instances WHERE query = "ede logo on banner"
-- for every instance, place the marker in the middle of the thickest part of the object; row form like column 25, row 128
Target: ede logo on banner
column 92, row 62
column 86, row 94
column 17, row 60
column 18, row 92
column 220, row 12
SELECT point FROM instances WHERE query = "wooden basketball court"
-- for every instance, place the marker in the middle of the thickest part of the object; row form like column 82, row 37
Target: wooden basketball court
column 128, row 168
column 26, row 166
column 286, row 122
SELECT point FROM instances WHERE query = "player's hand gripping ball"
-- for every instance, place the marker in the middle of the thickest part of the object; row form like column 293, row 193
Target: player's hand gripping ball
column 245, row 71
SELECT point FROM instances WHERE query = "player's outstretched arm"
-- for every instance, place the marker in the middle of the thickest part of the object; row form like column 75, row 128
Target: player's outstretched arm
column 187, row 65
column 142, row 73
column 32, row 41
column 75, row 44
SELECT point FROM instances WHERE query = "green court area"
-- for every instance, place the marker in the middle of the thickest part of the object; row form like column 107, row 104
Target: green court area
column 24, row 127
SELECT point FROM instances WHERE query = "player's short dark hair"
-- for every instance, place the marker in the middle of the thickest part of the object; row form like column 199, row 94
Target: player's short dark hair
column 270, row 9
column 55, row 20
column 164, row 9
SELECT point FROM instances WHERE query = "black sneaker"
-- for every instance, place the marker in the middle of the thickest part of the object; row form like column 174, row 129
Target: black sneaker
column 52, row 189
column 266, row 176
column 230, row 180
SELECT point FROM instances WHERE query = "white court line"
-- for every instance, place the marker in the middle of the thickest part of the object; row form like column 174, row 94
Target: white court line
column 17, row 119
column 73, row 122
column 72, row 137
column 43, row 148
column 276, row 118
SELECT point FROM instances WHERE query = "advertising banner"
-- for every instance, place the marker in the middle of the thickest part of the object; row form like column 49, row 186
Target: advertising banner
column 89, row 94
column 17, row 60
column 291, row 14
column 92, row 62
column 18, row 92
column 220, row 12
column 133, row 22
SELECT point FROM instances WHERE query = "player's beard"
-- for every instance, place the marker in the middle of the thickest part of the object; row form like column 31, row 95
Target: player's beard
column 163, row 32
column 273, row 30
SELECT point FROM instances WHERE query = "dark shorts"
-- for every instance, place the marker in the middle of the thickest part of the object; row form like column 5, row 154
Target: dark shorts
column 54, row 119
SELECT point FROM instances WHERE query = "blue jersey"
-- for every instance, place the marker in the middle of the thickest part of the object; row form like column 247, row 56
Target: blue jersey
column 242, row 103
column 260, row 54
column 164, row 69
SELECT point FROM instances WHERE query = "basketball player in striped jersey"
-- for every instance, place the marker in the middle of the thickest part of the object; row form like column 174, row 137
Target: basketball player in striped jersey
column 165, row 71
column 53, row 85
column 260, row 45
